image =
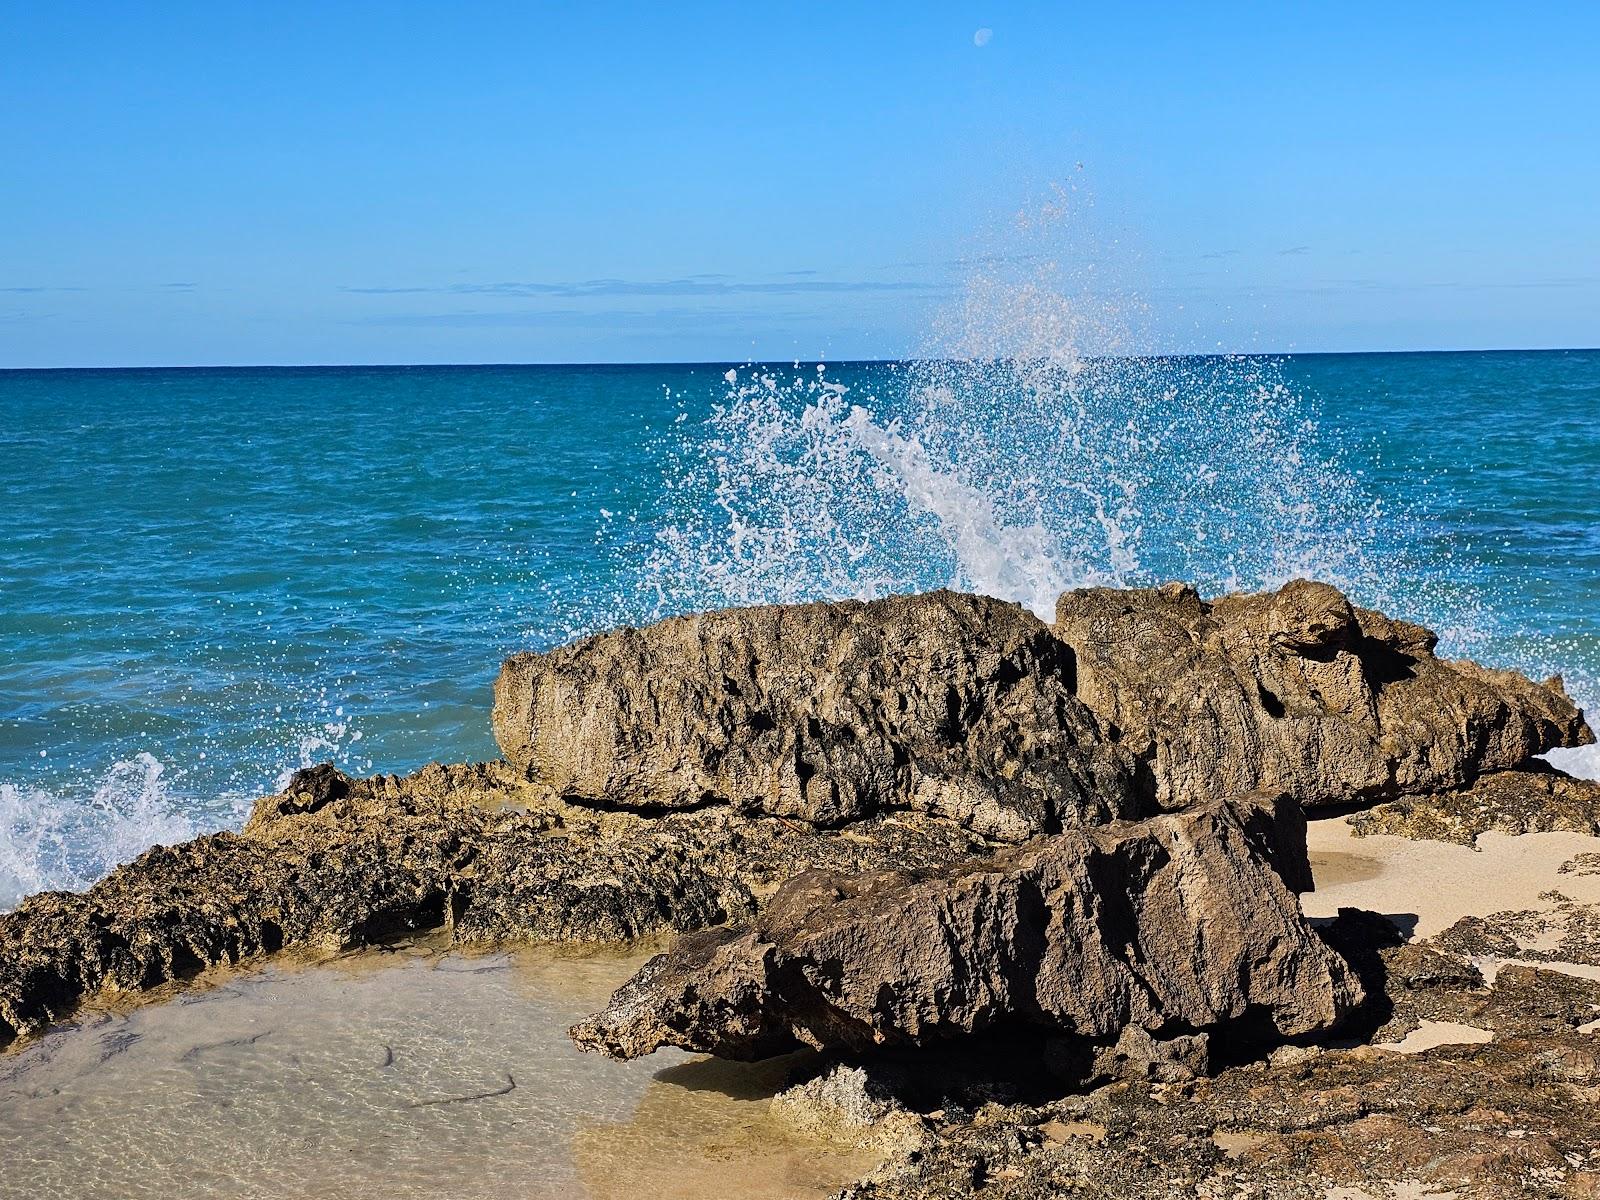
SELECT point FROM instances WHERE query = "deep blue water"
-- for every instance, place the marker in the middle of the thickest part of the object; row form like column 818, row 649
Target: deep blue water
column 210, row 576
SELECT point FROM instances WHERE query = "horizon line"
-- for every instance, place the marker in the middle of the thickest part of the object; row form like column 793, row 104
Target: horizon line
column 786, row 361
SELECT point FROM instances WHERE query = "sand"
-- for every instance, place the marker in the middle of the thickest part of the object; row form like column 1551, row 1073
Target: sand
column 1425, row 887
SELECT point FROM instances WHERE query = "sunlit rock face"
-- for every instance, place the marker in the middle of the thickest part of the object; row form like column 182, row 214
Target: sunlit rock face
column 1297, row 691
column 950, row 704
column 1171, row 925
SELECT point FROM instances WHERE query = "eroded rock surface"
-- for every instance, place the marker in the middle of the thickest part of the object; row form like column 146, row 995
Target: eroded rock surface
column 955, row 705
column 1171, row 925
column 333, row 862
column 1532, row 800
column 1568, row 931
column 329, row 871
column 1512, row 1116
column 669, row 778
column 973, row 709
column 1298, row 691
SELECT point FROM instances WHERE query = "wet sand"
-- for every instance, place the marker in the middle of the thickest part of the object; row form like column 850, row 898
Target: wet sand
column 394, row 1075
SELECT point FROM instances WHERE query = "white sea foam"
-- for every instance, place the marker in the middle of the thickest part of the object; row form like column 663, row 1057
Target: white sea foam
column 1033, row 449
column 54, row 841
column 65, row 836
column 1584, row 762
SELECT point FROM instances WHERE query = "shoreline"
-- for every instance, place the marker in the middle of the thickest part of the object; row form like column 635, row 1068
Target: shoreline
column 263, row 1048
column 986, row 899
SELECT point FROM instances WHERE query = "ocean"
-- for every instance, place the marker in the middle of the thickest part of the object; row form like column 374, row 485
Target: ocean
column 209, row 577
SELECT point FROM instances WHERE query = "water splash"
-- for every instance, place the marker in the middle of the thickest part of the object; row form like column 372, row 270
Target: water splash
column 49, row 841
column 1031, row 450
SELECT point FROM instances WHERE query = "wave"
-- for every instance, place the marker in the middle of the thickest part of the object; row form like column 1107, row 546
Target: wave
column 1032, row 448
column 66, row 838
column 50, row 841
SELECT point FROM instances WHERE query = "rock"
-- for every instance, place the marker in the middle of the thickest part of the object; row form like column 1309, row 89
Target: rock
column 1175, row 925
column 1512, row 1118
column 670, row 778
column 1300, row 692
column 844, row 1102
column 1138, row 1055
column 333, row 862
column 1567, row 931
column 364, row 861
column 1533, row 799
column 955, row 705
column 972, row 709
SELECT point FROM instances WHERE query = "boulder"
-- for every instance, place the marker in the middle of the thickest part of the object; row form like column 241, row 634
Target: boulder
column 956, row 705
column 1174, row 925
column 1297, row 691
column 972, row 709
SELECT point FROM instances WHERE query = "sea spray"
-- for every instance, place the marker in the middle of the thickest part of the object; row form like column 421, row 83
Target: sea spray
column 45, row 843
column 69, row 835
column 1029, row 451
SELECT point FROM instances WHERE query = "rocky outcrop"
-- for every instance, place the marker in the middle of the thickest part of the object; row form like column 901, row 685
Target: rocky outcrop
column 972, row 709
column 333, row 862
column 670, row 778
column 1172, row 925
column 1297, row 691
column 1531, row 800
column 339, row 863
column 1508, row 1117
column 955, row 705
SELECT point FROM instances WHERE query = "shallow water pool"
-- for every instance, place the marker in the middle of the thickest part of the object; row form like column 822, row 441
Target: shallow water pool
column 402, row 1074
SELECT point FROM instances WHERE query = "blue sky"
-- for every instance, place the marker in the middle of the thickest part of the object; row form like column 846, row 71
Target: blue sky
column 472, row 182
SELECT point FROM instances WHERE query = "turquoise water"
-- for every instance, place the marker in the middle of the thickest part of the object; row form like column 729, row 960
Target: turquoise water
column 209, row 577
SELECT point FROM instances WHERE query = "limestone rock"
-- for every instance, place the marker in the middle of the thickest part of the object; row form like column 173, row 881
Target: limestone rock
column 333, row 862
column 1512, row 1119
column 956, row 705
column 844, row 1102
column 358, row 862
column 1522, row 801
column 1297, row 691
column 1176, row 924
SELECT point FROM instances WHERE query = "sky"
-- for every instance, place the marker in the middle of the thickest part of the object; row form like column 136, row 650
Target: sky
column 399, row 182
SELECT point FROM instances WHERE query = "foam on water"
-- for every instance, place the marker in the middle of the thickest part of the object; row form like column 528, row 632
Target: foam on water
column 48, row 843
column 67, row 838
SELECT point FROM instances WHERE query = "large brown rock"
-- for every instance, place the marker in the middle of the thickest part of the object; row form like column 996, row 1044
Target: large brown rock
column 1172, row 925
column 1297, row 691
column 956, row 705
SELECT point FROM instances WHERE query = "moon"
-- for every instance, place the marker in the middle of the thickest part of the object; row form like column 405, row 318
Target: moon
column 981, row 38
